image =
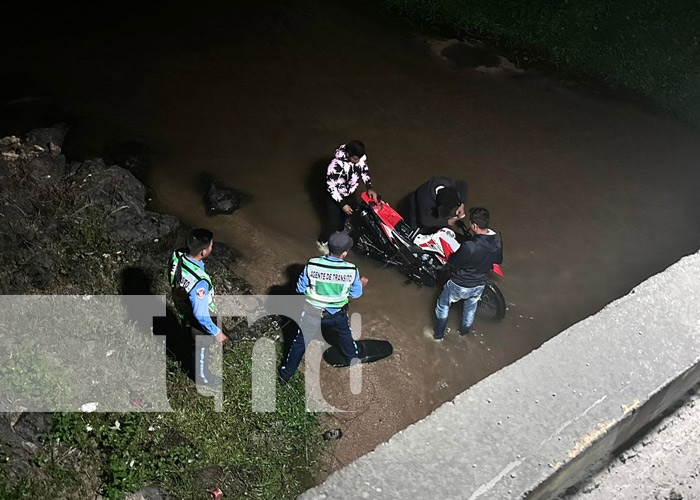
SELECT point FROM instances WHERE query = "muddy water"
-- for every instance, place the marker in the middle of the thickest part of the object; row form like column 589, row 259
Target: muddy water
column 592, row 195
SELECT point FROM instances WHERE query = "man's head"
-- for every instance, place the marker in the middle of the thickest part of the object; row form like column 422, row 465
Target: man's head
column 339, row 244
column 447, row 200
column 479, row 216
column 199, row 243
column 354, row 150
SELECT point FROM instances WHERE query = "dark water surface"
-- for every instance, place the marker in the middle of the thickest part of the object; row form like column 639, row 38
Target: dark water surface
column 592, row 195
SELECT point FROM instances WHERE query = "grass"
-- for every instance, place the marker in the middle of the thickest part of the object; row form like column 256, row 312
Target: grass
column 187, row 451
column 648, row 48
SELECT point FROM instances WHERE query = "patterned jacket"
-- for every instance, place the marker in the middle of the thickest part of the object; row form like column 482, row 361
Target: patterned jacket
column 343, row 176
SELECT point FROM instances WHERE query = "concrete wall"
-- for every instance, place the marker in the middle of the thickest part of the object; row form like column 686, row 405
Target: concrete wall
column 543, row 423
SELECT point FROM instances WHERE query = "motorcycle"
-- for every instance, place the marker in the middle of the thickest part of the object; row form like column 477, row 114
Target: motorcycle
column 381, row 234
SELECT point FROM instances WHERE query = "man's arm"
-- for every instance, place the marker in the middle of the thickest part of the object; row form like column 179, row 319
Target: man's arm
column 333, row 173
column 364, row 175
column 303, row 281
column 199, row 297
column 356, row 287
column 461, row 257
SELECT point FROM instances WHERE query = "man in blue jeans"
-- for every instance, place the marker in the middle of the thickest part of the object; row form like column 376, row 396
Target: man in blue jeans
column 328, row 282
column 469, row 266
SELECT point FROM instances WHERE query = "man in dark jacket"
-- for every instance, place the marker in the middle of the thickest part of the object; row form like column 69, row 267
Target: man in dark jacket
column 438, row 203
column 469, row 265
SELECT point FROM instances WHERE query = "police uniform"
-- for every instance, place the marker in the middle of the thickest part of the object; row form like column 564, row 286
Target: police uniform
column 193, row 294
column 328, row 282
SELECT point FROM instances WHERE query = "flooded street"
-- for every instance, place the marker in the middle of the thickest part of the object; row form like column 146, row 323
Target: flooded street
column 591, row 194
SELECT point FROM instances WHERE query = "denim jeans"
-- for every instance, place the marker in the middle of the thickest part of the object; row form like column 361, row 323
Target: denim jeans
column 454, row 293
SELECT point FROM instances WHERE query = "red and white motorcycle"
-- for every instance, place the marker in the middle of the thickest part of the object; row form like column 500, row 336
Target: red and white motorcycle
column 381, row 233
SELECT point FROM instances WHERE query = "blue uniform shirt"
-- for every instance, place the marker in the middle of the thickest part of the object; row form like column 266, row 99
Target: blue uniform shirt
column 355, row 289
column 199, row 298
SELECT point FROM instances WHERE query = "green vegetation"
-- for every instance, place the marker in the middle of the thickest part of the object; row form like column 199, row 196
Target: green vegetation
column 649, row 48
column 188, row 451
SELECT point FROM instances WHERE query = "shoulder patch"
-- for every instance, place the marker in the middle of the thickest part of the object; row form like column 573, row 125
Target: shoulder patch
column 200, row 292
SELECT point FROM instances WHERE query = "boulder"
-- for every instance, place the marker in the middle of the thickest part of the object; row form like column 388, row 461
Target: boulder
column 108, row 188
column 50, row 139
column 222, row 199
column 33, row 427
column 134, row 226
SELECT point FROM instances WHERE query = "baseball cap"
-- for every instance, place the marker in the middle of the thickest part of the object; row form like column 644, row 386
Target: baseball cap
column 339, row 243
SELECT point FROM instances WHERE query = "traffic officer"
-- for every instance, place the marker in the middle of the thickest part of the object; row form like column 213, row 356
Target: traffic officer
column 193, row 294
column 328, row 282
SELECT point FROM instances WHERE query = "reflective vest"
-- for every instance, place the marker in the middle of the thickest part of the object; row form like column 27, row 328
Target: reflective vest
column 329, row 282
column 184, row 275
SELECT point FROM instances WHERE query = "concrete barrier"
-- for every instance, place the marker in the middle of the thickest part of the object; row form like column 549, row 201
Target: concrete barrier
column 544, row 422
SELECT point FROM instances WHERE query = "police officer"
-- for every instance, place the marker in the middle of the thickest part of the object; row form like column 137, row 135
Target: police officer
column 193, row 294
column 328, row 282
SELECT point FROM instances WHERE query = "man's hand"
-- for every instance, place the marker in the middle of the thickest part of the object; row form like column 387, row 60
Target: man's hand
column 363, row 280
column 220, row 338
column 372, row 194
column 347, row 209
column 460, row 214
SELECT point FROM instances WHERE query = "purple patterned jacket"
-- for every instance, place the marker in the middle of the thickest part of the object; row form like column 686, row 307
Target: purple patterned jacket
column 343, row 176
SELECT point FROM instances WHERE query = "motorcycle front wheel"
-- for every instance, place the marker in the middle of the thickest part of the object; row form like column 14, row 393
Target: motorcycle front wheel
column 492, row 304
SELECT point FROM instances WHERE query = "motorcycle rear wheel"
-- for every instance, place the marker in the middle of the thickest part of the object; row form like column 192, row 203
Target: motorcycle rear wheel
column 492, row 304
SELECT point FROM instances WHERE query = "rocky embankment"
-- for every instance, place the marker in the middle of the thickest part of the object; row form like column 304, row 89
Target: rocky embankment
column 81, row 227
column 77, row 226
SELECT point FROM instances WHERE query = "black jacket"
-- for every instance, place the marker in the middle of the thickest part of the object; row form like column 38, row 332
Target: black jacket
column 425, row 203
column 474, row 258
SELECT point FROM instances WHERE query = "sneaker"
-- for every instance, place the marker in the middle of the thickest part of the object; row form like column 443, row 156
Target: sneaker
column 429, row 333
column 322, row 247
column 464, row 331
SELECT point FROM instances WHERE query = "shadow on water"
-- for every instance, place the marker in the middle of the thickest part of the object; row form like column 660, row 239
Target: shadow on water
column 315, row 185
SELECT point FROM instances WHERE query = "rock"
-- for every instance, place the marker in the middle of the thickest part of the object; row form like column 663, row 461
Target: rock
column 222, row 199
column 13, row 417
column 10, row 144
column 108, row 188
column 51, row 139
column 135, row 226
column 132, row 156
column 47, row 168
column 30, row 447
column 33, row 426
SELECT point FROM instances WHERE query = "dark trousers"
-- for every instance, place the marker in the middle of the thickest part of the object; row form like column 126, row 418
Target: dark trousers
column 334, row 221
column 200, row 357
column 335, row 329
